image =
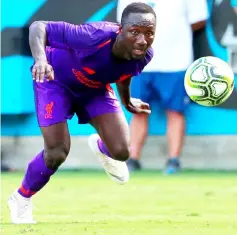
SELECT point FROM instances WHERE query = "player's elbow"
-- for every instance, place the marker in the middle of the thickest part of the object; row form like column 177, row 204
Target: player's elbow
column 38, row 25
column 37, row 30
column 34, row 25
column 199, row 25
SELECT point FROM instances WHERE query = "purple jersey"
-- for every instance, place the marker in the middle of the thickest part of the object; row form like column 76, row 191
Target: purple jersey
column 81, row 55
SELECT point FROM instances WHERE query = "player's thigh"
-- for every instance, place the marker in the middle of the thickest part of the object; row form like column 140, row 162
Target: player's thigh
column 53, row 108
column 170, row 87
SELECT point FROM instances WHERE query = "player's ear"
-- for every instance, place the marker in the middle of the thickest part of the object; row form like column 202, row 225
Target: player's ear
column 120, row 28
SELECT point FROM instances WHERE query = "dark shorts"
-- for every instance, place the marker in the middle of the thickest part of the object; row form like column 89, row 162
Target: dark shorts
column 166, row 88
column 56, row 103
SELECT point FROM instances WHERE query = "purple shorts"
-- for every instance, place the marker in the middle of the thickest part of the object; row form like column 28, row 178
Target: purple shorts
column 56, row 103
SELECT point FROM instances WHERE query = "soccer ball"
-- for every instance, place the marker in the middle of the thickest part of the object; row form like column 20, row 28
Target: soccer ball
column 209, row 81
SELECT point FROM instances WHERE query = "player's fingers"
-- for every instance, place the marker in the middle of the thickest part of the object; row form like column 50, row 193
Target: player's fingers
column 42, row 73
column 146, row 111
column 51, row 77
column 52, row 74
column 37, row 74
column 49, row 73
column 145, row 105
column 33, row 72
column 140, row 110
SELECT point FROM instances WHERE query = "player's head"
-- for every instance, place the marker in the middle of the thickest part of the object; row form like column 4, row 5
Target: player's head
column 137, row 30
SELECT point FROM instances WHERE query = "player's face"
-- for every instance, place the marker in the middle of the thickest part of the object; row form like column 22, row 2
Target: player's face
column 138, row 34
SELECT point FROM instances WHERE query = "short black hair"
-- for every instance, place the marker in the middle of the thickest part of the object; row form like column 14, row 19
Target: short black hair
column 136, row 7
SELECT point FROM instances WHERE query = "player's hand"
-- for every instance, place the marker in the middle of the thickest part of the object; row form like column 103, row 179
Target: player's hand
column 42, row 69
column 137, row 106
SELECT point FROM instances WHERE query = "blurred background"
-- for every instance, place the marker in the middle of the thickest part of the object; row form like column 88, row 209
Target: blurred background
column 211, row 133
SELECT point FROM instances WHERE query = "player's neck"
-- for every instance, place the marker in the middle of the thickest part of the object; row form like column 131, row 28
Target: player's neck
column 119, row 50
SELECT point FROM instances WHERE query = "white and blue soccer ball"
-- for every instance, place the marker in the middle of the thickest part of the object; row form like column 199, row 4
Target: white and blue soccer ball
column 209, row 81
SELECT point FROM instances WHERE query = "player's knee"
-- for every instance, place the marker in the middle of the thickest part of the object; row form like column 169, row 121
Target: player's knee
column 121, row 153
column 174, row 116
column 54, row 157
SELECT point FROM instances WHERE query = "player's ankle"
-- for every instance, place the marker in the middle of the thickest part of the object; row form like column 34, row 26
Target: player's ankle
column 25, row 193
column 173, row 161
column 133, row 164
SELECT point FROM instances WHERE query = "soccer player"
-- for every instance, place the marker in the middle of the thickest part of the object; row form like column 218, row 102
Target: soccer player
column 73, row 67
column 162, row 81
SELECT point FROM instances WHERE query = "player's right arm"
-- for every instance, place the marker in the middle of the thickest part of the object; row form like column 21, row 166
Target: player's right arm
column 60, row 35
column 37, row 41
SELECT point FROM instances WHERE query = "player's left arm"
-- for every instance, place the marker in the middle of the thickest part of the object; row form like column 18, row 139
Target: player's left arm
column 124, row 91
column 131, row 104
column 197, row 13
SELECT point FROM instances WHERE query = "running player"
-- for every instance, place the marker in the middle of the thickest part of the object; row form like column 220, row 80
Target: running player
column 74, row 65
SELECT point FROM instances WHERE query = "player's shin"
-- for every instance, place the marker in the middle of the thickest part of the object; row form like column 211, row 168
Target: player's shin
column 36, row 177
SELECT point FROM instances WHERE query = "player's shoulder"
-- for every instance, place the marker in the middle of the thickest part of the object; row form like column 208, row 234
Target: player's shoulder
column 101, row 31
column 105, row 27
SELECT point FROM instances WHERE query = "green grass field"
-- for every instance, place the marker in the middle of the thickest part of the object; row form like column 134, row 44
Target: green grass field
column 87, row 202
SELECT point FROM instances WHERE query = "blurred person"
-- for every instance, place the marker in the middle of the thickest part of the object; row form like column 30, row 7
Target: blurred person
column 163, row 79
column 73, row 67
column 234, row 5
